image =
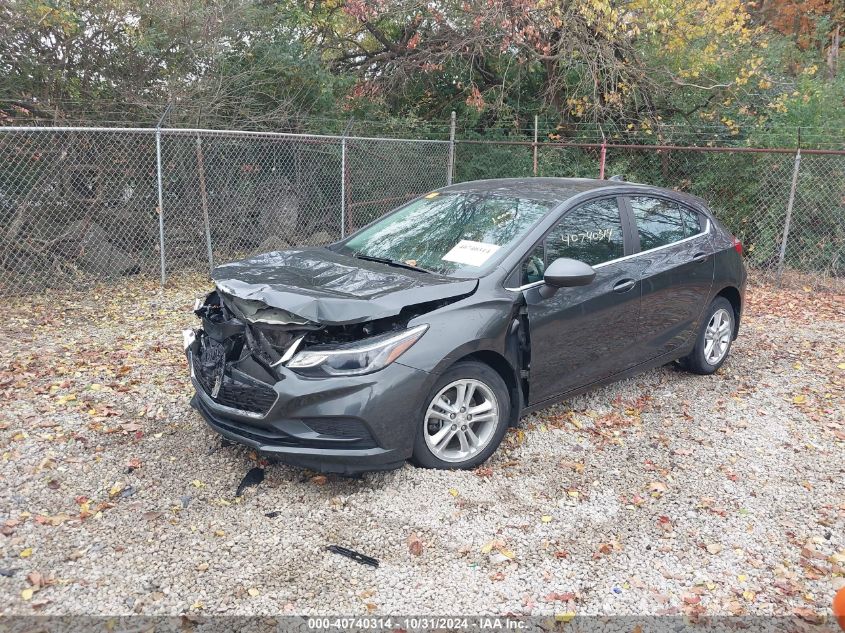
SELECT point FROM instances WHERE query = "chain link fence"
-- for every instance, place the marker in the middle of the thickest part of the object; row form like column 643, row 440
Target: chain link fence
column 81, row 205
column 788, row 211
column 783, row 226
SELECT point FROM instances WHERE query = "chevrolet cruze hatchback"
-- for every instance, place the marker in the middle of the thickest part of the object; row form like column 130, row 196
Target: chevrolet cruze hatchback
column 426, row 334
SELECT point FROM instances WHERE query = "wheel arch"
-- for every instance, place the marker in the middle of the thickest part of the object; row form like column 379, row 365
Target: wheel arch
column 503, row 367
column 734, row 297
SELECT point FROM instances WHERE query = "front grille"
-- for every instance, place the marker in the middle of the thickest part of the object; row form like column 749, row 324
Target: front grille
column 254, row 397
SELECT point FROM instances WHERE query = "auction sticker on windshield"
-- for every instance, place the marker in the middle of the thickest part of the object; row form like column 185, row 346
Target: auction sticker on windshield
column 470, row 253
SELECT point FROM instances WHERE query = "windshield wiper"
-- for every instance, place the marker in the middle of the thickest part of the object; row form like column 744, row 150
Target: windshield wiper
column 391, row 262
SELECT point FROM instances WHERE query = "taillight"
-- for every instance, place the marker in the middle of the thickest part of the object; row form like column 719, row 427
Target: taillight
column 737, row 246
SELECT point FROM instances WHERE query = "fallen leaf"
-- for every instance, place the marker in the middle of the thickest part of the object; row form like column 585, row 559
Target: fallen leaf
column 319, row 480
column 808, row 615
column 26, row 553
column 253, row 591
column 134, row 464
column 35, row 579
column 415, row 544
column 27, row 594
column 546, row 518
column 76, row 554
column 714, row 548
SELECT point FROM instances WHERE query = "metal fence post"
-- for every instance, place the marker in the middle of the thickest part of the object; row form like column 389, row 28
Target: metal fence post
column 450, row 167
column 788, row 220
column 343, row 178
column 602, row 159
column 204, row 199
column 160, row 194
column 343, row 187
column 534, row 145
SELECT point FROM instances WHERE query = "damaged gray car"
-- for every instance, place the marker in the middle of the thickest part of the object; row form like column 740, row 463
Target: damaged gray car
column 428, row 333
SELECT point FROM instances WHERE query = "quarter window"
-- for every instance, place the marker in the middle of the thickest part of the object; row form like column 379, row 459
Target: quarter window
column 692, row 222
column 659, row 222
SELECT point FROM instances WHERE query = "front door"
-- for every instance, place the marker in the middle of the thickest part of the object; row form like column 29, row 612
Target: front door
column 586, row 333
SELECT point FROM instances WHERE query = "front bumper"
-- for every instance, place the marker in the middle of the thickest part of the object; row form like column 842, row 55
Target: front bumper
column 341, row 425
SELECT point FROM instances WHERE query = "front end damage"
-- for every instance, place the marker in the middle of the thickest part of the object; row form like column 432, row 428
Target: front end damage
column 246, row 391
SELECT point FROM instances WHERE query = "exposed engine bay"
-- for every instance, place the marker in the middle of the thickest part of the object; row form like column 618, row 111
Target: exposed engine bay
column 236, row 332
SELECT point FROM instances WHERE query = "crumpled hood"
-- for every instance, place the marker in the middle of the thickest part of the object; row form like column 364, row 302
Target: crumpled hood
column 325, row 287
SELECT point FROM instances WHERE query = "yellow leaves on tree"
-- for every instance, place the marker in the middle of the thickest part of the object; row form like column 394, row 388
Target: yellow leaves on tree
column 696, row 33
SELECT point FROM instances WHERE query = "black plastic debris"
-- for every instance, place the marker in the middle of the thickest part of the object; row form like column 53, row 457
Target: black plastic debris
column 356, row 556
column 254, row 477
column 8, row 573
column 273, row 514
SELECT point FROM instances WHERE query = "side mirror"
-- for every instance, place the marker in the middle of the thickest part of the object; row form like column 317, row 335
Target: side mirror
column 566, row 273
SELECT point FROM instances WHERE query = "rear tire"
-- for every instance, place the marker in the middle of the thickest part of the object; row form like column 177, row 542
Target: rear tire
column 465, row 419
column 714, row 340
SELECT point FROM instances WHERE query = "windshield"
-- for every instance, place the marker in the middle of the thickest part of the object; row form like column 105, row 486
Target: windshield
column 460, row 234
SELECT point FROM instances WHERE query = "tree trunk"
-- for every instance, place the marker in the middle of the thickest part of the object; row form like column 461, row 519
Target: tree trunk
column 833, row 53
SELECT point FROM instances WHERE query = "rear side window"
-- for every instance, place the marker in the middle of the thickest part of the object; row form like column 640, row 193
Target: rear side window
column 659, row 222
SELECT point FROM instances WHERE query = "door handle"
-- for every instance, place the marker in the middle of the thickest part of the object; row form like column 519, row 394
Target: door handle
column 625, row 285
column 700, row 257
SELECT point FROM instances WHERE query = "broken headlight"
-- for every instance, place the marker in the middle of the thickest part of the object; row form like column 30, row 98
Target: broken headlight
column 354, row 359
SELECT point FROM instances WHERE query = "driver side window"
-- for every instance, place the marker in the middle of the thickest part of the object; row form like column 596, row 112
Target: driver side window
column 591, row 233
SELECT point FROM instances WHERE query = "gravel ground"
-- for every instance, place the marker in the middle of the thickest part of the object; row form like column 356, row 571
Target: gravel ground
column 666, row 493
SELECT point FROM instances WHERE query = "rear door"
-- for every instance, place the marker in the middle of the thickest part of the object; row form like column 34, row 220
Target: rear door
column 676, row 264
column 582, row 334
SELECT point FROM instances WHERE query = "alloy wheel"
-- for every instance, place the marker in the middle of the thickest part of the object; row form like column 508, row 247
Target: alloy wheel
column 717, row 336
column 461, row 420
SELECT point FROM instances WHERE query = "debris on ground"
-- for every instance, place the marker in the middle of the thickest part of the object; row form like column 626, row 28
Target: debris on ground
column 253, row 477
column 356, row 556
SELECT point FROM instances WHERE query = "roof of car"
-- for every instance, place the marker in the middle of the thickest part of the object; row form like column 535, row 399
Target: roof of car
column 556, row 189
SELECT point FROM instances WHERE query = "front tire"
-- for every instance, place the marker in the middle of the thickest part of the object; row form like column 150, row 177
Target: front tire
column 465, row 418
column 714, row 340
